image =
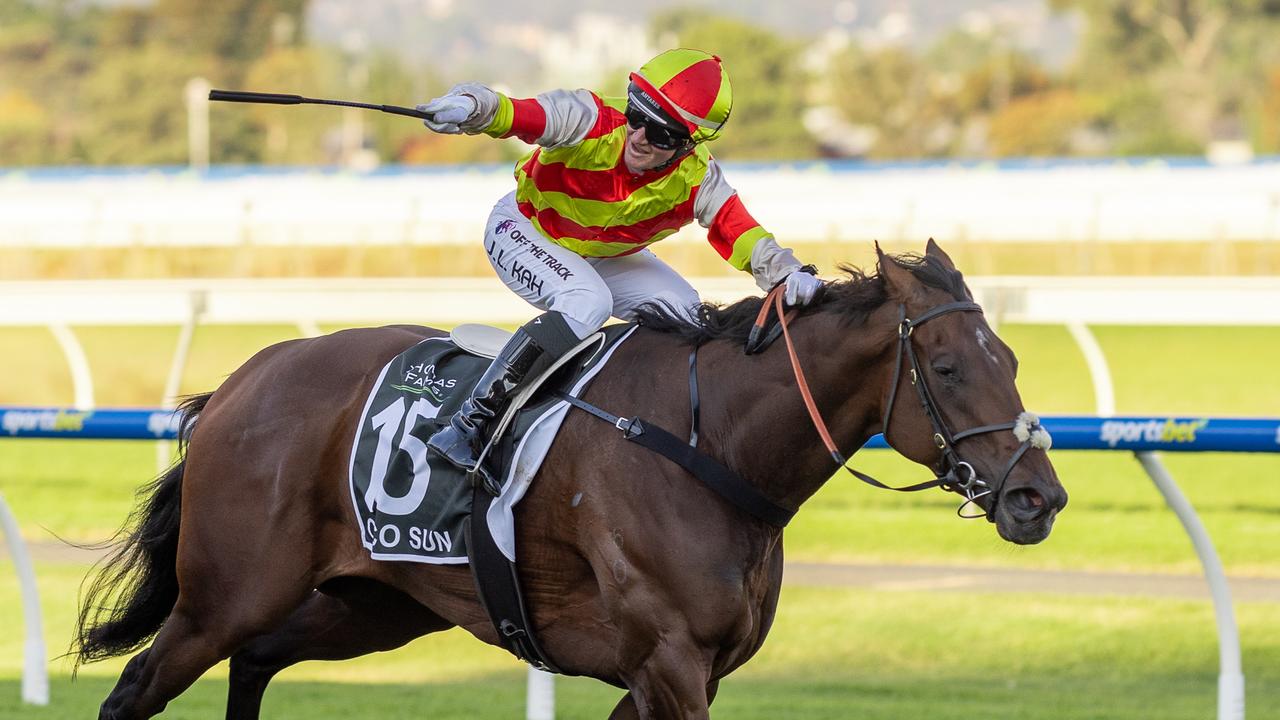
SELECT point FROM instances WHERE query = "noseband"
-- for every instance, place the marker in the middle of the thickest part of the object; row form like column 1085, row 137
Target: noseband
column 957, row 475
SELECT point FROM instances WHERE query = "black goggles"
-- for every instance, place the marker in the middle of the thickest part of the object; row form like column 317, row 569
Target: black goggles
column 658, row 135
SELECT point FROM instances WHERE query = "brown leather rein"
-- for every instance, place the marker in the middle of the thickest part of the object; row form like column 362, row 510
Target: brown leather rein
column 959, row 476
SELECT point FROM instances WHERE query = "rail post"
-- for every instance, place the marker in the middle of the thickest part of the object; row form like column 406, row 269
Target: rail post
column 35, row 675
column 1230, row 675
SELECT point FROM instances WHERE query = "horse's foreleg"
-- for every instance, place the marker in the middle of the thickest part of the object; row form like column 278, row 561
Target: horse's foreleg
column 626, row 708
column 672, row 683
column 352, row 617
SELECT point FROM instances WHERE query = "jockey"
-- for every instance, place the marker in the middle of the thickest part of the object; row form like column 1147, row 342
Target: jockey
column 610, row 176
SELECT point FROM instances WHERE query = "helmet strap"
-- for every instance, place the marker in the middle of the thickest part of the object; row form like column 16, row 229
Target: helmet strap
column 677, row 157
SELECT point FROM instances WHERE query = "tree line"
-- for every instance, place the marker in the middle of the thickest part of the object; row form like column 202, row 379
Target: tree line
column 95, row 84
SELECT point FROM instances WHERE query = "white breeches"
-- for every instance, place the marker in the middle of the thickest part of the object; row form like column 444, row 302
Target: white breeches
column 585, row 290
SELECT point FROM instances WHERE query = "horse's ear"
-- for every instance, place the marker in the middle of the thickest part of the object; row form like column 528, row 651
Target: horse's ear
column 898, row 281
column 933, row 250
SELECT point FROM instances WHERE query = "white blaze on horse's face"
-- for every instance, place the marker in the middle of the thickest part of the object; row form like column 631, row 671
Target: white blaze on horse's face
column 985, row 343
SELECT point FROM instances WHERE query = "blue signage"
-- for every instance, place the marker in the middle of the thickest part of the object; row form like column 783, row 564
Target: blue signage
column 1145, row 433
column 53, row 422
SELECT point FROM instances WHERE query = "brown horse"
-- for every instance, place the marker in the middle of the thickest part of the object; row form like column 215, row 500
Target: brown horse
column 636, row 573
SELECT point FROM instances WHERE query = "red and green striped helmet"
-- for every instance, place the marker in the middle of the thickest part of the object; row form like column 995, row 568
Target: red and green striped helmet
column 692, row 87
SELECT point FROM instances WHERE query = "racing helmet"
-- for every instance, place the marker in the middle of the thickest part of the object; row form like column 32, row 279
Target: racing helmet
column 687, row 87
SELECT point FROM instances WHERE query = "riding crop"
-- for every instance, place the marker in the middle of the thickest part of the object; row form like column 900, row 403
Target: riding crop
column 282, row 99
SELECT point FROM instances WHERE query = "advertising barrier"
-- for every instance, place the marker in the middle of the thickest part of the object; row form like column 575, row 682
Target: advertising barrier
column 1070, row 432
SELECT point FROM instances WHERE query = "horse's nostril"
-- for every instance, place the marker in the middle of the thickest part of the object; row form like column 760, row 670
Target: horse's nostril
column 1026, row 504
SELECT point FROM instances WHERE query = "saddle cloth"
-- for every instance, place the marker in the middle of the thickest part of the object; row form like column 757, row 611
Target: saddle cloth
column 412, row 505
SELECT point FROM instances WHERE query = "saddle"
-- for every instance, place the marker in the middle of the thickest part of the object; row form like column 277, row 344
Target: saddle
column 483, row 340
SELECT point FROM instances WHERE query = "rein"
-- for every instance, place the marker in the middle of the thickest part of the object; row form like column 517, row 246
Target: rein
column 958, row 475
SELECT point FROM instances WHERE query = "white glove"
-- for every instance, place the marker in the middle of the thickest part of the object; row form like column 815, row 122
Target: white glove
column 448, row 112
column 466, row 108
column 801, row 288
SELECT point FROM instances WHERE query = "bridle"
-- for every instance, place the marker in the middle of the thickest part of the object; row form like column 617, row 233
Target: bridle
column 958, row 475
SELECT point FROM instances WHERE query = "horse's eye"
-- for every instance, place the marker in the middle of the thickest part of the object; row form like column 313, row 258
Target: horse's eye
column 944, row 371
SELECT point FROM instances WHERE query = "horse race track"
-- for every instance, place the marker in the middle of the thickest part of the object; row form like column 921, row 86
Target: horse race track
column 910, row 642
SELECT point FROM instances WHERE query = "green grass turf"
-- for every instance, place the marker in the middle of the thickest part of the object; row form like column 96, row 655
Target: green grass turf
column 79, row 491
column 217, row 350
column 1194, row 370
column 32, row 368
column 1159, row 370
column 1052, row 375
column 832, row 653
column 129, row 364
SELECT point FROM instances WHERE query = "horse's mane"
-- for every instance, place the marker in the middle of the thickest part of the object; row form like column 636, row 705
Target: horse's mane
column 853, row 298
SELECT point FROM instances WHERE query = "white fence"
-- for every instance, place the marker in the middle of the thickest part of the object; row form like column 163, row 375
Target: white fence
column 1064, row 201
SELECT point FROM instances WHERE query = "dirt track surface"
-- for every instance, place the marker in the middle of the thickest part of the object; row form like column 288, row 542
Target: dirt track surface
column 927, row 578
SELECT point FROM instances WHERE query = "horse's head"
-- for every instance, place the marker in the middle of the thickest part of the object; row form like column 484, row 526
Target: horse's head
column 954, row 406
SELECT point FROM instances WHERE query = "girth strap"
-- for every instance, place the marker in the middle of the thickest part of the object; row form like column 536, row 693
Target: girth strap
column 498, row 587
column 723, row 481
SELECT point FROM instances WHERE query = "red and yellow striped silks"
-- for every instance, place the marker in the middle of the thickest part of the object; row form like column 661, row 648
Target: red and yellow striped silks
column 583, row 198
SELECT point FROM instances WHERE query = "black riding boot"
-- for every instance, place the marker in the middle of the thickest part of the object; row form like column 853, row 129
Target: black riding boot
column 539, row 342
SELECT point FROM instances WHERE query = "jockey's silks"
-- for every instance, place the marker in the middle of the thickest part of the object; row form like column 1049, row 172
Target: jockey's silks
column 579, row 193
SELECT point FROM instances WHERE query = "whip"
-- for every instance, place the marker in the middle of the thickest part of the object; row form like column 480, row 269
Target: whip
column 282, row 99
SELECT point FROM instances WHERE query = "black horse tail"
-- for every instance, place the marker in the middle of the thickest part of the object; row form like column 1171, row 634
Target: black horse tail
column 136, row 586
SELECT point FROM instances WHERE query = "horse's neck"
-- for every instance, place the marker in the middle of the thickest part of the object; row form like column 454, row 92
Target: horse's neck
column 756, row 416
